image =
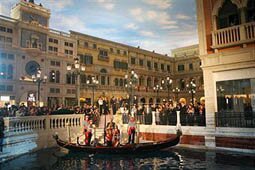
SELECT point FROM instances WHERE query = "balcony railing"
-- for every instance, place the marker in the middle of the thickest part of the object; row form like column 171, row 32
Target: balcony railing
column 235, row 119
column 235, row 35
column 168, row 119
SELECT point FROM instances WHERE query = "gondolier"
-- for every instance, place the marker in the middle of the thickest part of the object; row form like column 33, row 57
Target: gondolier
column 131, row 130
column 120, row 149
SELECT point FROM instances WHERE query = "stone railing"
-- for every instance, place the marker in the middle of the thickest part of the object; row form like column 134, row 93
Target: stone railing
column 60, row 33
column 235, row 35
column 19, row 125
column 31, row 133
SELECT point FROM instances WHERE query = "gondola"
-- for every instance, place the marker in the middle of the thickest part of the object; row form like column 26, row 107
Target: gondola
column 122, row 149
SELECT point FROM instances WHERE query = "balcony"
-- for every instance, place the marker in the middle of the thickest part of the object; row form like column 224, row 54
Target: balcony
column 103, row 57
column 231, row 36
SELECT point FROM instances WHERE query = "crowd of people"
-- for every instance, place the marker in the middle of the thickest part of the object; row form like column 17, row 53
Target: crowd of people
column 165, row 113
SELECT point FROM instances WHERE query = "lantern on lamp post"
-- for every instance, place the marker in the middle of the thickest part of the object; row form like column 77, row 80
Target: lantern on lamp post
column 76, row 69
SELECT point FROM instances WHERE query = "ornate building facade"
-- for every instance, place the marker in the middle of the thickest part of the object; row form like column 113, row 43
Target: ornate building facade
column 27, row 43
column 227, row 50
column 187, row 68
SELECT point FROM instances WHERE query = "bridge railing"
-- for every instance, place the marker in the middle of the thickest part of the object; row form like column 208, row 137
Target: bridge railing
column 19, row 125
column 168, row 119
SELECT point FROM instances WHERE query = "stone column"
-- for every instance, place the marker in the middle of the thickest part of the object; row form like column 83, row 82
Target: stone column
column 210, row 107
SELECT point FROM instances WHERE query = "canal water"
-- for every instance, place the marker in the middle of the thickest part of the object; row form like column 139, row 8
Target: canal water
column 56, row 159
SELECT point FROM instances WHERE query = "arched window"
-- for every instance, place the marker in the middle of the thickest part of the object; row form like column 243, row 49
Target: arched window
column 103, row 80
column 52, row 76
column 103, row 77
column 103, row 70
column 228, row 15
column 143, row 100
column 90, row 78
column 149, row 82
column 155, row 81
column 150, row 101
column 121, row 82
column 116, row 82
column 73, row 78
column 10, row 72
column 251, row 11
column 182, row 84
column 2, row 71
column 141, row 81
column 57, row 77
column 68, row 78
column 83, row 79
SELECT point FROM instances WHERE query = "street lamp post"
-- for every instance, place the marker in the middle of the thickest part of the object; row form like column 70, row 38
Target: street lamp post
column 168, row 82
column 130, row 82
column 176, row 91
column 192, row 89
column 38, row 79
column 93, row 84
column 76, row 68
column 156, row 89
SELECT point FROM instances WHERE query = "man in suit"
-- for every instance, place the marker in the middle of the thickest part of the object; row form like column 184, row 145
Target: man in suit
column 148, row 115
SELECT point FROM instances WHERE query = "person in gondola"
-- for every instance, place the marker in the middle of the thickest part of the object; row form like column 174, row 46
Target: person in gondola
column 116, row 136
column 131, row 130
column 85, row 128
column 86, row 122
column 108, row 137
column 111, row 124
column 88, row 133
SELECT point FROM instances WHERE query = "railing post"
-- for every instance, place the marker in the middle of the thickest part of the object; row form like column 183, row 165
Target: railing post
column 213, row 38
column 153, row 118
column 137, row 131
column 68, row 131
column 178, row 124
column 242, row 32
column 47, row 122
column 7, row 124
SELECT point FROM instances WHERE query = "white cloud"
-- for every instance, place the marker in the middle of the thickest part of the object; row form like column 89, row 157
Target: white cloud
column 147, row 34
column 131, row 26
column 5, row 7
column 57, row 5
column 170, row 27
column 162, row 4
column 160, row 18
column 72, row 23
column 137, row 14
column 107, row 4
column 152, row 15
column 182, row 16
column 164, row 19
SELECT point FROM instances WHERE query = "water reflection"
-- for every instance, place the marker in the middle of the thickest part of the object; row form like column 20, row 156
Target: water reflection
column 168, row 159
column 155, row 160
